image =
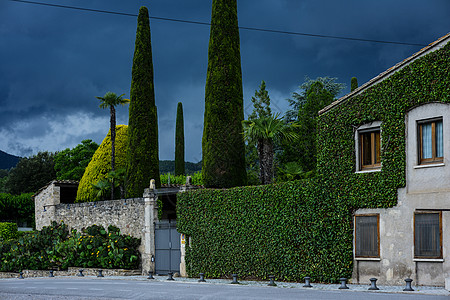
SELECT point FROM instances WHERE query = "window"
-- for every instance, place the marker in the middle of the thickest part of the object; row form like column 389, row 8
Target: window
column 428, row 235
column 431, row 146
column 367, row 242
column 369, row 144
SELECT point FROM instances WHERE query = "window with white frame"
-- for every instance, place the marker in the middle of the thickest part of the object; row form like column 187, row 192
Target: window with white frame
column 430, row 141
column 368, row 147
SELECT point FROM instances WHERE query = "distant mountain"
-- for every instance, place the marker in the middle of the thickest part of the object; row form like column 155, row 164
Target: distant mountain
column 168, row 166
column 8, row 161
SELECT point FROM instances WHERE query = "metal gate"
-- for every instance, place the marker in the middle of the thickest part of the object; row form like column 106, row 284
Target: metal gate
column 167, row 247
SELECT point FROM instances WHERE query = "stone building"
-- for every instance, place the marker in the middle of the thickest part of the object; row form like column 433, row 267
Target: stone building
column 412, row 238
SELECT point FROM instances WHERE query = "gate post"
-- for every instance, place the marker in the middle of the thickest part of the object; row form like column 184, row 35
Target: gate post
column 150, row 217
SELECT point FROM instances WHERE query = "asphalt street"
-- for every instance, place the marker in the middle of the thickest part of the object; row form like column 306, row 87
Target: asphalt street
column 140, row 288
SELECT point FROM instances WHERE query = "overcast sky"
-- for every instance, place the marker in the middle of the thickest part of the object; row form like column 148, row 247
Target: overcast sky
column 54, row 61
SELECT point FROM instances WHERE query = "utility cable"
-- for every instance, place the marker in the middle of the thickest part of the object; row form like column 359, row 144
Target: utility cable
column 209, row 24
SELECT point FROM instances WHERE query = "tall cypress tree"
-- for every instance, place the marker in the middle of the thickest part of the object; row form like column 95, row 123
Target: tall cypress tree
column 142, row 152
column 223, row 144
column 179, row 142
column 353, row 84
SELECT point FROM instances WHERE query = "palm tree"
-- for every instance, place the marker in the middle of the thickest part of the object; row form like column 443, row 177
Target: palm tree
column 265, row 131
column 111, row 100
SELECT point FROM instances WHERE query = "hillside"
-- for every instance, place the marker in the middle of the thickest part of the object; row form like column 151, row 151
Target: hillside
column 8, row 161
column 168, row 166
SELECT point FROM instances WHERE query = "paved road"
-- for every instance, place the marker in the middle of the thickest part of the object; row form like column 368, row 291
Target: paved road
column 103, row 288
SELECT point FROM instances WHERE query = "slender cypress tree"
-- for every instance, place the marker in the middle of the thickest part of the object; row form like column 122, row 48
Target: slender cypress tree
column 223, row 147
column 142, row 152
column 179, row 142
column 353, row 84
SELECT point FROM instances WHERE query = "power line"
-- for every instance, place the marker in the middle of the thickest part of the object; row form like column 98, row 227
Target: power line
column 209, row 24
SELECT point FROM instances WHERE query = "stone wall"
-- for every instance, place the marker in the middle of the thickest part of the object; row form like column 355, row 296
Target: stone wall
column 127, row 215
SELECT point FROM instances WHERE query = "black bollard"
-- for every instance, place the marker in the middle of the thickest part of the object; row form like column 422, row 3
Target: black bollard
column 202, row 277
column 343, row 284
column 235, row 276
column 150, row 275
column 373, row 284
column 20, row 275
column 81, row 273
column 307, row 282
column 272, row 283
column 170, row 276
column 100, row 273
column 408, row 287
column 50, row 273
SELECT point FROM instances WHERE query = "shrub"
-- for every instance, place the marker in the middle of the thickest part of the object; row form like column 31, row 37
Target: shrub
column 8, row 231
column 100, row 165
column 54, row 248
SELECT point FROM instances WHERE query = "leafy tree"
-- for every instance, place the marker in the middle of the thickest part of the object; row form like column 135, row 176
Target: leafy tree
column 261, row 108
column 299, row 99
column 32, row 173
column 264, row 131
column 71, row 163
column 304, row 151
column 223, row 146
column 111, row 100
column 179, row 142
column 17, row 208
column 142, row 153
column 102, row 189
column 353, row 84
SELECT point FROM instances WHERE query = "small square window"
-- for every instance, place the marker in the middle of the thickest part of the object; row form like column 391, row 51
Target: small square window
column 370, row 148
column 430, row 138
column 428, row 235
column 367, row 242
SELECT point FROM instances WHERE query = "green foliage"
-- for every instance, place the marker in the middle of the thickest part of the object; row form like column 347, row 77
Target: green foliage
column 289, row 230
column 181, row 179
column 142, row 156
column 179, row 142
column 54, row 248
column 8, row 231
column 70, row 164
column 17, row 208
column 223, row 147
column 31, row 173
column 353, row 84
column 304, row 228
column 304, row 151
column 100, row 165
column 261, row 103
column 299, row 99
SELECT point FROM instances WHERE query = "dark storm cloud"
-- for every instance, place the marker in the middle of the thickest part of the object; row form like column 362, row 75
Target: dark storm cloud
column 55, row 61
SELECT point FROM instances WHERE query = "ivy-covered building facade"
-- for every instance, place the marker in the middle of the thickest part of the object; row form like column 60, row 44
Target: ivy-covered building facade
column 385, row 149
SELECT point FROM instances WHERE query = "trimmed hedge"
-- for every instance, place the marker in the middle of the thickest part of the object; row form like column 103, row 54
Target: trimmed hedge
column 100, row 164
column 8, row 230
column 289, row 230
column 305, row 227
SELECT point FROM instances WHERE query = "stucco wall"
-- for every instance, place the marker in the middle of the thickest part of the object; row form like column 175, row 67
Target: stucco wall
column 427, row 188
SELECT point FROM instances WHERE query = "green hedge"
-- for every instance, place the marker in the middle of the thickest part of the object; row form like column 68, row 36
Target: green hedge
column 305, row 227
column 8, row 231
column 17, row 208
column 100, row 165
column 289, row 230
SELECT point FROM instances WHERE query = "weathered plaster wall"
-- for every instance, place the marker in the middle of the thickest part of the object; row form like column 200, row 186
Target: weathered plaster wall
column 427, row 188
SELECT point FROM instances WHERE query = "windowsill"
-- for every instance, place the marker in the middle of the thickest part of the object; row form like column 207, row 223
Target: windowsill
column 368, row 171
column 368, row 258
column 429, row 166
column 428, row 260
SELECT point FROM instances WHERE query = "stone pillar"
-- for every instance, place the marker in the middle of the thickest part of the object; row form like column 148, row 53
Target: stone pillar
column 150, row 219
column 183, row 237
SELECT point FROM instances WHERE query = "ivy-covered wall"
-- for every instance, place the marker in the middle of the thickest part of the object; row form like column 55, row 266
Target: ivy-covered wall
column 305, row 228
